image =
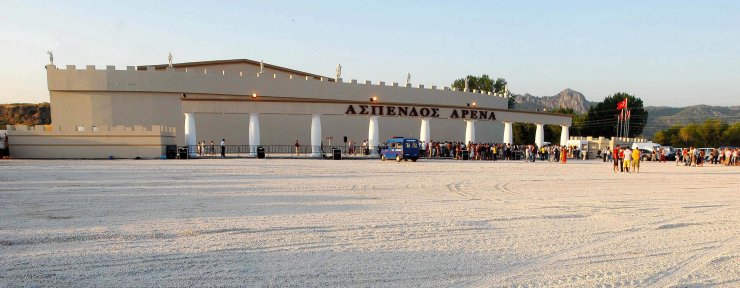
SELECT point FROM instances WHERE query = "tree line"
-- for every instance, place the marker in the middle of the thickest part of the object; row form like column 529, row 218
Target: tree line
column 484, row 83
column 712, row 133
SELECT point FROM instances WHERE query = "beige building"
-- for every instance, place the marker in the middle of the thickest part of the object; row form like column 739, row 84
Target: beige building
column 250, row 103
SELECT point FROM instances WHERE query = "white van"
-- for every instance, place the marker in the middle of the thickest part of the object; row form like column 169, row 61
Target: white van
column 645, row 145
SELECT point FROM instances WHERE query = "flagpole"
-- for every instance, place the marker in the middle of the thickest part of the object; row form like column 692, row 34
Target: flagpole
column 627, row 120
column 617, row 128
column 619, row 123
column 629, row 116
column 624, row 122
column 626, row 132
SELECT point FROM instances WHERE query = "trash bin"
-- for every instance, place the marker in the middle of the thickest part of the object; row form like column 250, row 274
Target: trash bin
column 336, row 153
column 171, row 152
column 465, row 155
column 183, row 152
column 260, row 152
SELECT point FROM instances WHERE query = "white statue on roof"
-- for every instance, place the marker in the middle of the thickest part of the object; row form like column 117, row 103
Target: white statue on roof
column 408, row 78
column 169, row 59
column 51, row 57
column 262, row 66
column 339, row 71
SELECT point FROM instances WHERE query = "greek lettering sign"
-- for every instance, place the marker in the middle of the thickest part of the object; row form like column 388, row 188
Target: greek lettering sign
column 413, row 111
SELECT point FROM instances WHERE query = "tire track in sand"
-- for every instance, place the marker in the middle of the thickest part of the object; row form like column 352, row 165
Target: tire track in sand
column 670, row 277
column 506, row 274
column 460, row 188
column 457, row 187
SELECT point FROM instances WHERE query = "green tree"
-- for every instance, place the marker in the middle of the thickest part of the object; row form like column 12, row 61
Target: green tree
column 523, row 133
column 668, row 136
column 688, row 135
column 601, row 119
column 511, row 101
column 499, row 86
column 552, row 132
column 731, row 136
column 661, row 137
column 483, row 83
column 710, row 132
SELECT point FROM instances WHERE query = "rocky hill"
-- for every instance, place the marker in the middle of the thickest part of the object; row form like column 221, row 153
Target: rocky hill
column 567, row 98
column 661, row 117
column 29, row 114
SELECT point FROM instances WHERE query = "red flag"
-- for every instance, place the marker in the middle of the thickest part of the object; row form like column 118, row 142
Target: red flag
column 622, row 104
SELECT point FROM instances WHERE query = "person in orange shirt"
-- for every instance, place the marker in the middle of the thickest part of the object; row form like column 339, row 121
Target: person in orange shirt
column 563, row 154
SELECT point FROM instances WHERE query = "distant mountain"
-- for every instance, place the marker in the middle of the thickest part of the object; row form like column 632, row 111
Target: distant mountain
column 29, row 114
column 565, row 99
column 661, row 117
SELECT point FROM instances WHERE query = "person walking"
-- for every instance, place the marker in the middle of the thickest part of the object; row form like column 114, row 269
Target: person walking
column 223, row 148
column 564, row 155
column 616, row 162
column 679, row 156
column 603, row 154
column 297, row 148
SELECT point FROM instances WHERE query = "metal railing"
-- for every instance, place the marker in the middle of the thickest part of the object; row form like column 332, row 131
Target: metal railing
column 206, row 151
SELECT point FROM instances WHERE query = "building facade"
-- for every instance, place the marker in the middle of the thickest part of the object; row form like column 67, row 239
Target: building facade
column 251, row 103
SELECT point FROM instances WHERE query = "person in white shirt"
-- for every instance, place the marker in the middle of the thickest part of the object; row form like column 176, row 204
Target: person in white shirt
column 223, row 148
column 627, row 159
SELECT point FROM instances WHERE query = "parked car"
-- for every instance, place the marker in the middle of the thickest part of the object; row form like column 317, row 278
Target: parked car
column 670, row 153
column 671, row 156
column 646, row 155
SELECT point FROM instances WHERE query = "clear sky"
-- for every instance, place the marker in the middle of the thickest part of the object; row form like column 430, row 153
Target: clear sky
column 669, row 53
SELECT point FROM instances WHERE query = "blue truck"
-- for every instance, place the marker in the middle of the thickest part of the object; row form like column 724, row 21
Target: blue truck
column 400, row 148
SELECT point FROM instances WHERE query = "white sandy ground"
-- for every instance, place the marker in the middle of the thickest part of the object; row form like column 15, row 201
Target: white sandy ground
column 264, row 223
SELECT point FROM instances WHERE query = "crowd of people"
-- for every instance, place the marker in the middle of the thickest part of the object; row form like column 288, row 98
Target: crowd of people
column 625, row 159
column 628, row 160
column 696, row 157
column 497, row 151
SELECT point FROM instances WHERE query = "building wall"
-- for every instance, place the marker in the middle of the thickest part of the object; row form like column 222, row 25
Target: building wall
column 101, row 108
column 112, row 97
column 285, row 129
column 47, row 141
